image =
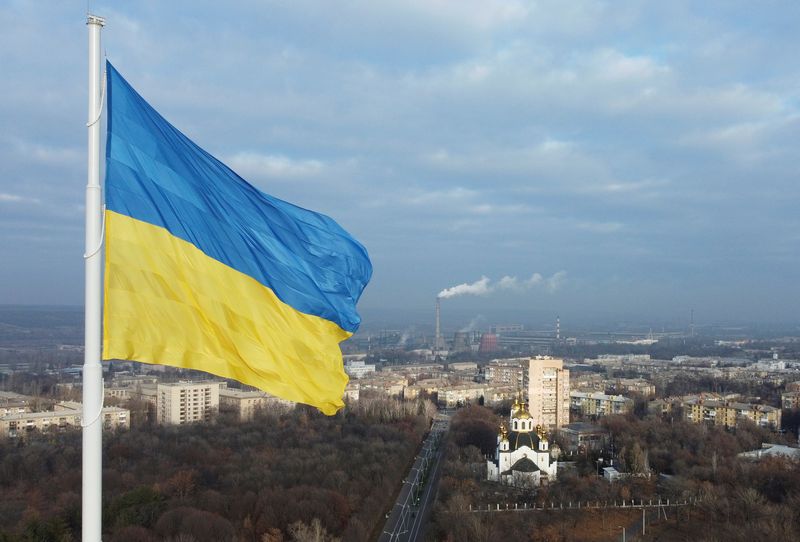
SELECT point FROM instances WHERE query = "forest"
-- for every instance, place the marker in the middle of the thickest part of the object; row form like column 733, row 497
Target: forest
column 299, row 476
column 737, row 499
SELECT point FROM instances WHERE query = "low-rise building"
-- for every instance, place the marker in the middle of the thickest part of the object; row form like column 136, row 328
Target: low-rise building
column 730, row 413
column 793, row 386
column 599, row 404
column 351, row 391
column 385, row 383
column 453, row 396
column 772, row 450
column 416, row 370
column 465, row 366
column 589, row 382
column 63, row 416
column 634, row 385
column 117, row 392
column 611, row 474
column 790, row 399
column 358, row 368
column 131, row 381
column 246, row 403
column 582, row 436
column 14, row 403
column 145, row 392
column 428, row 386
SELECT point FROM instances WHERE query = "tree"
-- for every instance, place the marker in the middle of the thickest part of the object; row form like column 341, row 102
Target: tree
column 315, row 532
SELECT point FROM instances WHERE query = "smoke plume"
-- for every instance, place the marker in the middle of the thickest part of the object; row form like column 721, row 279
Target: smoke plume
column 479, row 287
column 485, row 286
column 473, row 324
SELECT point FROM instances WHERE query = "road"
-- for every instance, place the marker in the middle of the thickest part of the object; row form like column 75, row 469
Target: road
column 413, row 505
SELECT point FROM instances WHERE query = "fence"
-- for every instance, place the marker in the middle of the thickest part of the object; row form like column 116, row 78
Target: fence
column 583, row 505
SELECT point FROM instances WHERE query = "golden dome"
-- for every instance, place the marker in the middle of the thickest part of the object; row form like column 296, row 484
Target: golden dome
column 524, row 415
column 503, row 431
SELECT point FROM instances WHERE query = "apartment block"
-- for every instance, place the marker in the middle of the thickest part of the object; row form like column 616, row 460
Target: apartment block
column 454, row 396
column 245, row 404
column 352, row 391
column 63, row 416
column 180, row 403
column 790, row 399
column 14, row 403
column 358, row 368
column 548, row 392
column 634, row 385
column 508, row 372
column 582, row 436
column 599, row 404
column 729, row 413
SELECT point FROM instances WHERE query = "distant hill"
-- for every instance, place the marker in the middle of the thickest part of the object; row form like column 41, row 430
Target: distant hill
column 40, row 326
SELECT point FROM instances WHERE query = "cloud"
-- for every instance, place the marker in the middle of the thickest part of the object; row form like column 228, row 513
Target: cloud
column 600, row 227
column 457, row 195
column 259, row 166
column 628, row 187
column 14, row 198
column 495, row 134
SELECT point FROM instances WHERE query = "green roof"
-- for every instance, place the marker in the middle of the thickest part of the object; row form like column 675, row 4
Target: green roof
column 523, row 465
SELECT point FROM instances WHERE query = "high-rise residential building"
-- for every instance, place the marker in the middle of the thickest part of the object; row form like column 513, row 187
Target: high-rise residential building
column 548, row 392
column 178, row 403
column 508, row 372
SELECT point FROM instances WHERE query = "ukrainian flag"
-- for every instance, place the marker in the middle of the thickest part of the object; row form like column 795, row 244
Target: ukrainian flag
column 204, row 271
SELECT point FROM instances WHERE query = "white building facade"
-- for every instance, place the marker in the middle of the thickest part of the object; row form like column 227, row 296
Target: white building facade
column 523, row 456
column 180, row 403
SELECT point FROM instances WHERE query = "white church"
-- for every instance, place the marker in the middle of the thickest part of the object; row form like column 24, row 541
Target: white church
column 523, row 457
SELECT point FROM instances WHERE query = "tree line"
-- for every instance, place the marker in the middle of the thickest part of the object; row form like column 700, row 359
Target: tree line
column 298, row 476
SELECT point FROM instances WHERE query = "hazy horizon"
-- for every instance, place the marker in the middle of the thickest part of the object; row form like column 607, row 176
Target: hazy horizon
column 376, row 320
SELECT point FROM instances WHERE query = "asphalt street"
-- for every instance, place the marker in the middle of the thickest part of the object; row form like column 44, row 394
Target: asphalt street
column 412, row 508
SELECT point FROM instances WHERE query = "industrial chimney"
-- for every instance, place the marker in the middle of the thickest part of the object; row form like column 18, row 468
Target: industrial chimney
column 437, row 341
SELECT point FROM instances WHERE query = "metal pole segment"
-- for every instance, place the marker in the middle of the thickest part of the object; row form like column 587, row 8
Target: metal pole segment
column 92, row 369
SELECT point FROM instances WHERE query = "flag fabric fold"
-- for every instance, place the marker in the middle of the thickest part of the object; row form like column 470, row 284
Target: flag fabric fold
column 204, row 271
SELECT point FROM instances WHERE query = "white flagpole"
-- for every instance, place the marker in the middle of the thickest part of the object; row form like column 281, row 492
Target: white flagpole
column 92, row 369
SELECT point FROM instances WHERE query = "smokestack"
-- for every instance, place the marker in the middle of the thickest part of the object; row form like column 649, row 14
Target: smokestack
column 558, row 328
column 437, row 341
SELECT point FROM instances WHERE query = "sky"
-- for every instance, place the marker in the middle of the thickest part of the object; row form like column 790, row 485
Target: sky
column 639, row 158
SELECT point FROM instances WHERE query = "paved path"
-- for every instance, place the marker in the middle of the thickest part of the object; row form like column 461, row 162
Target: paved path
column 412, row 508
